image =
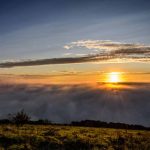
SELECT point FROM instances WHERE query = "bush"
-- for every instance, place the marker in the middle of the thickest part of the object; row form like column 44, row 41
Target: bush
column 20, row 118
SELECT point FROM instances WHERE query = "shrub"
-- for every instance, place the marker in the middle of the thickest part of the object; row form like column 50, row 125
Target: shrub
column 20, row 118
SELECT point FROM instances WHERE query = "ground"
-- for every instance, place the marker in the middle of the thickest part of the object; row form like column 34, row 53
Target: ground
column 54, row 137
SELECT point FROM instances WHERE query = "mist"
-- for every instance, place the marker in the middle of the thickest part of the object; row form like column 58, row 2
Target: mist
column 66, row 103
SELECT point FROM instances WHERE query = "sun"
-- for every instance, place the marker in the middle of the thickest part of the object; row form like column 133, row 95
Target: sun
column 114, row 77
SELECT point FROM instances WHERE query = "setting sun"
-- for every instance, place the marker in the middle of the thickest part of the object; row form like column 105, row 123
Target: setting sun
column 114, row 77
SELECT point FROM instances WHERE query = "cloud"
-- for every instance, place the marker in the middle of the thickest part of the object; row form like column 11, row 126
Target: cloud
column 106, row 51
column 67, row 60
column 64, row 103
column 104, row 45
column 112, row 48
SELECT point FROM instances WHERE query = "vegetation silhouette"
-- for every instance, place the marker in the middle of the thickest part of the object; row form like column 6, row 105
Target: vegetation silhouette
column 20, row 118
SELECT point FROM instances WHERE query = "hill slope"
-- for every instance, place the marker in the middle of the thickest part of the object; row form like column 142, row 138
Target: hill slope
column 52, row 137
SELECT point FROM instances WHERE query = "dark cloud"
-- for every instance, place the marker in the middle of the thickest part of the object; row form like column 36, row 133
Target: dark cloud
column 64, row 103
column 144, row 50
column 84, row 59
column 88, row 58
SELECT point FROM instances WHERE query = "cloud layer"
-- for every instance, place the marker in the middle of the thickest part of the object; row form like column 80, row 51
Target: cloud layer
column 100, row 51
column 64, row 103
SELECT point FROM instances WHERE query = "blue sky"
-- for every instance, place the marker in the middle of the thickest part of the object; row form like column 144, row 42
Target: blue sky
column 36, row 29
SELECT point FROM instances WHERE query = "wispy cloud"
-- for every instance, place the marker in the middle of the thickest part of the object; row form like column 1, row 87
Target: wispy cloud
column 106, row 50
column 112, row 48
column 104, row 45
column 88, row 58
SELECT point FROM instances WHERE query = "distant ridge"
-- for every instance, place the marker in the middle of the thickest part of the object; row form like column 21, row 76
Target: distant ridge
column 93, row 123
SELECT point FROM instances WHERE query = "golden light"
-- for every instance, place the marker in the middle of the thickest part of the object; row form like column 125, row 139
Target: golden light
column 114, row 77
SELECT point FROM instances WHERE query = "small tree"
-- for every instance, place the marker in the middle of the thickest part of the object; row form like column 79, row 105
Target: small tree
column 20, row 118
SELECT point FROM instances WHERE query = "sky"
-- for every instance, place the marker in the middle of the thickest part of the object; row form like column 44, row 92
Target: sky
column 37, row 30
column 50, row 43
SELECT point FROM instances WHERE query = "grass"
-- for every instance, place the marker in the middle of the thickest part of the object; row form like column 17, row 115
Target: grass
column 53, row 137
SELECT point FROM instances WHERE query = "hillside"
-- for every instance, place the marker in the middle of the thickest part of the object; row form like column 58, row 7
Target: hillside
column 54, row 137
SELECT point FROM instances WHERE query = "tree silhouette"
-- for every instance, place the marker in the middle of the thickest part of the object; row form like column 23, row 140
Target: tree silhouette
column 20, row 118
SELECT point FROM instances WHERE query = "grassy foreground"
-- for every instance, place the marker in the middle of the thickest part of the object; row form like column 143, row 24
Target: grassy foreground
column 51, row 137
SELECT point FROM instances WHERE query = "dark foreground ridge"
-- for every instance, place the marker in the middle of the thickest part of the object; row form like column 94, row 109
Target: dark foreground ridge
column 18, row 132
column 85, row 123
column 60, row 137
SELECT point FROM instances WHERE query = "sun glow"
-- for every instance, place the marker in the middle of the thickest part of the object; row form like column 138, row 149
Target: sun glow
column 114, row 77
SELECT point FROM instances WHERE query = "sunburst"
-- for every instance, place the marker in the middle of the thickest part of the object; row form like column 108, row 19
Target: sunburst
column 114, row 77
